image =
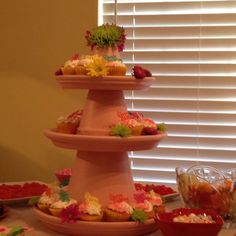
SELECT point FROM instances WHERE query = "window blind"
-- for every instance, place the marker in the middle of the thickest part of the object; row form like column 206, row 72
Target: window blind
column 190, row 47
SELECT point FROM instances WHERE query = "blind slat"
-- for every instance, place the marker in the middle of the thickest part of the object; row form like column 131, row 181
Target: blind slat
column 181, row 44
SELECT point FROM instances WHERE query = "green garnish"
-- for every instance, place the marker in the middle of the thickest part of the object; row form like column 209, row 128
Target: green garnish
column 106, row 35
column 139, row 215
column 16, row 231
column 161, row 127
column 64, row 196
column 121, row 130
column 33, row 201
column 112, row 58
column 65, row 182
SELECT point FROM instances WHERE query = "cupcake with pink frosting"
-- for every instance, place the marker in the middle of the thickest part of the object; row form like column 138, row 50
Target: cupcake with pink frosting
column 118, row 209
column 132, row 121
column 69, row 124
column 156, row 202
column 143, row 203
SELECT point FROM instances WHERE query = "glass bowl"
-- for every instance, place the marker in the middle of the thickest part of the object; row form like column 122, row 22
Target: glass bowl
column 206, row 187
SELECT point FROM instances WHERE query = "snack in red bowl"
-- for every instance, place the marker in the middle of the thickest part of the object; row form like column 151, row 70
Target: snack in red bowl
column 187, row 221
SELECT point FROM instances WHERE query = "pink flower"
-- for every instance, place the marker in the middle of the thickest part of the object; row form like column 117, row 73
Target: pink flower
column 70, row 214
column 64, row 175
column 4, row 230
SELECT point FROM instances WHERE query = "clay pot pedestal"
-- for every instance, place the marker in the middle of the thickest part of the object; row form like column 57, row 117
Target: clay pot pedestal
column 101, row 173
column 102, row 164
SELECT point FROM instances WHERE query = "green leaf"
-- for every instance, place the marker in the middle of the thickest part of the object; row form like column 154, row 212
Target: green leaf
column 33, row 201
column 64, row 196
column 161, row 127
column 121, row 130
column 139, row 215
column 106, row 35
column 16, row 231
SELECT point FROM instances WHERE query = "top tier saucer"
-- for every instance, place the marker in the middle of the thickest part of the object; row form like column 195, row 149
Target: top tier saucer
column 104, row 83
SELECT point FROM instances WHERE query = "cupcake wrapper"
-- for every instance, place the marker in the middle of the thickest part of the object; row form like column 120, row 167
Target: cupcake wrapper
column 87, row 217
column 121, row 71
column 68, row 71
column 113, row 216
column 80, row 70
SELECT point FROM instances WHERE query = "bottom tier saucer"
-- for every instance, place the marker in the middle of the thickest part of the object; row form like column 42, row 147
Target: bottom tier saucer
column 82, row 228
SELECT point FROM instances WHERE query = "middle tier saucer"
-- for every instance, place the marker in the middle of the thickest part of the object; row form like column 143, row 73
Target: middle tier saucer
column 96, row 143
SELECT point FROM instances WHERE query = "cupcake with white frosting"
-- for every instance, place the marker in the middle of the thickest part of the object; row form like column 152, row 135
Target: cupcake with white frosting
column 50, row 196
column 116, row 66
column 70, row 65
column 56, row 208
column 90, row 209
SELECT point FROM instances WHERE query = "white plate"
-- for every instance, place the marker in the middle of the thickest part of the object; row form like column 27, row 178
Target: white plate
column 20, row 200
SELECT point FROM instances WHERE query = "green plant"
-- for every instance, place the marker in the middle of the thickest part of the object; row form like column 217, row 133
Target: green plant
column 106, row 35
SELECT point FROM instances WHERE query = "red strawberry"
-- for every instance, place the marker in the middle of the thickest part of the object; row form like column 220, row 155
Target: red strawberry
column 138, row 72
column 149, row 131
column 147, row 73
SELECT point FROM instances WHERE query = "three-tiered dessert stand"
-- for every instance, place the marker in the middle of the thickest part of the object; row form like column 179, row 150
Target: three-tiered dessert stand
column 102, row 163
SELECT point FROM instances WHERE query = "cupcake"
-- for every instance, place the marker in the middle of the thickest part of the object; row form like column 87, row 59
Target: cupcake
column 135, row 126
column 69, row 66
column 142, row 203
column 118, row 210
column 50, row 196
column 156, row 202
column 116, row 67
column 132, row 121
column 57, row 207
column 90, row 209
column 80, row 68
column 137, row 123
column 69, row 124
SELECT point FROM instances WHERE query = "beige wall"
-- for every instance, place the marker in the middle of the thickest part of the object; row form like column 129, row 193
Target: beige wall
column 36, row 37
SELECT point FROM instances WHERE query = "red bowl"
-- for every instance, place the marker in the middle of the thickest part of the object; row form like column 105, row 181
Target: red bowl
column 170, row 228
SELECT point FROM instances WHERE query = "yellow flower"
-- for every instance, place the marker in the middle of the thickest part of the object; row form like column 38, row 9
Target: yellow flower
column 97, row 67
column 91, row 200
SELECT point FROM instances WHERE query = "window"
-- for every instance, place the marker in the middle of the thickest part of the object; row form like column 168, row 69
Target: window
column 190, row 46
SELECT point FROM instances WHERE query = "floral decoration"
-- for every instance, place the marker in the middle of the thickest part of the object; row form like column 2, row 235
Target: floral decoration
column 98, row 67
column 106, row 35
column 121, row 130
column 70, row 214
